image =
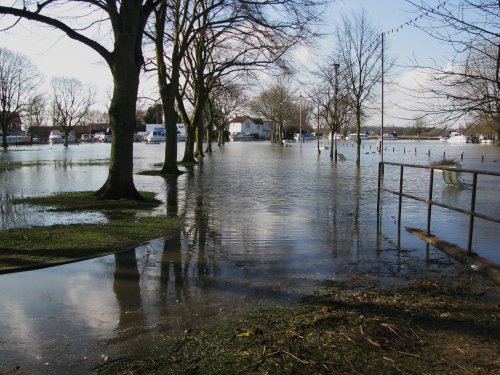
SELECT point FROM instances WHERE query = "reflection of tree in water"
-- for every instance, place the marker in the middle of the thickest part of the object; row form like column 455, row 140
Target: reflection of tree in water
column 186, row 263
column 172, row 195
column 356, row 240
column 344, row 215
column 171, row 269
column 201, row 237
column 126, row 285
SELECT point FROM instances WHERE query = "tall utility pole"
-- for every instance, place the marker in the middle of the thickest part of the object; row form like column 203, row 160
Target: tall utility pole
column 382, row 119
column 300, row 120
column 317, row 133
column 336, row 66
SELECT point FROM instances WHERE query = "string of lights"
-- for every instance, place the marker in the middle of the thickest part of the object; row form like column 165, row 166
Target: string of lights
column 414, row 20
column 411, row 22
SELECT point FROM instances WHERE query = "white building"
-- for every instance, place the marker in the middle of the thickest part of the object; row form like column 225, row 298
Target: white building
column 154, row 130
column 249, row 125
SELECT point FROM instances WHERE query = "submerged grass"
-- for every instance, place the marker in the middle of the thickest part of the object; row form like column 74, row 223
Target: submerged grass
column 7, row 165
column 23, row 248
column 425, row 328
column 87, row 201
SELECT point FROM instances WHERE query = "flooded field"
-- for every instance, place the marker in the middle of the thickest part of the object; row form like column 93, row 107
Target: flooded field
column 263, row 225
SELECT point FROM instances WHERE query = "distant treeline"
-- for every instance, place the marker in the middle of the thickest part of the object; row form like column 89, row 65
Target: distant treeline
column 427, row 131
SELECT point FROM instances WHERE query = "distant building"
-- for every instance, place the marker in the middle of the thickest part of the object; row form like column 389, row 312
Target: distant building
column 249, row 125
column 15, row 124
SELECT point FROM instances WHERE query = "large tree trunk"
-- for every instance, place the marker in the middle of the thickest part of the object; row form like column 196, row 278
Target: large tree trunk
column 209, row 149
column 220, row 137
column 120, row 182
column 189, row 144
column 199, row 139
column 167, row 92
column 170, row 162
column 4, row 137
column 66, row 134
column 191, row 130
column 125, row 67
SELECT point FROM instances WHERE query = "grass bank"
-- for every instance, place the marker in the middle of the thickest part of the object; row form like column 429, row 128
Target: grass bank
column 25, row 248
column 427, row 327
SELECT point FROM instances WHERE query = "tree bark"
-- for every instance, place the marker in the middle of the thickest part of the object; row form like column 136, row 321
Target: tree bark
column 4, row 136
column 209, row 149
column 199, row 139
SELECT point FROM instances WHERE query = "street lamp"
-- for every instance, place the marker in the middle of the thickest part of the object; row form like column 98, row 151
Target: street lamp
column 336, row 66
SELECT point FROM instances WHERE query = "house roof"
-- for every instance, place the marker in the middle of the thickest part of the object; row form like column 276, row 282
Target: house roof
column 239, row 119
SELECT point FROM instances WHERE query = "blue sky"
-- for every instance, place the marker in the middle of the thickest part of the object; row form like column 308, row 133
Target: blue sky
column 390, row 14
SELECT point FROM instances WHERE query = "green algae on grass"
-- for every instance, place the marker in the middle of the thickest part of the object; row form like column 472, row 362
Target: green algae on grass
column 426, row 328
column 33, row 247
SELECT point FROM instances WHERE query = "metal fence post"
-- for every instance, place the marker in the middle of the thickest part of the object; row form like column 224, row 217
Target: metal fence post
column 380, row 166
column 472, row 209
column 429, row 201
column 400, row 194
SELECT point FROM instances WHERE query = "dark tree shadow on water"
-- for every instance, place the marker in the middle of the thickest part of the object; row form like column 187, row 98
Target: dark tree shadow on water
column 126, row 286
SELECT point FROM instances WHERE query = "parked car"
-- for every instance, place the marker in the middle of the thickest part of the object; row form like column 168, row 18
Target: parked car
column 138, row 137
column 87, row 138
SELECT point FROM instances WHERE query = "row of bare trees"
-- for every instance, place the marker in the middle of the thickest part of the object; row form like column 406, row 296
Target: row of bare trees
column 20, row 97
column 345, row 88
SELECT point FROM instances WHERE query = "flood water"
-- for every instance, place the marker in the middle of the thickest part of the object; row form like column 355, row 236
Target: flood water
column 263, row 225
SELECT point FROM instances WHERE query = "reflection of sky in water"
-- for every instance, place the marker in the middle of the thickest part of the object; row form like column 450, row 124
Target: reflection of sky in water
column 263, row 225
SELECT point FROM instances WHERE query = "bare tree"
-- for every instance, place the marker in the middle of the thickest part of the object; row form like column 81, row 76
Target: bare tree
column 36, row 112
column 276, row 105
column 359, row 54
column 224, row 102
column 19, row 79
column 333, row 99
column 172, row 34
column 419, row 125
column 95, row 116
column 212, row 39
column 71, row 104
column 468, row 84
column 125, row 21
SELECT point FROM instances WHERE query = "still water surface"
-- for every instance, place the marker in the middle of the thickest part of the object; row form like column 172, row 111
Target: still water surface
column 264, row 225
